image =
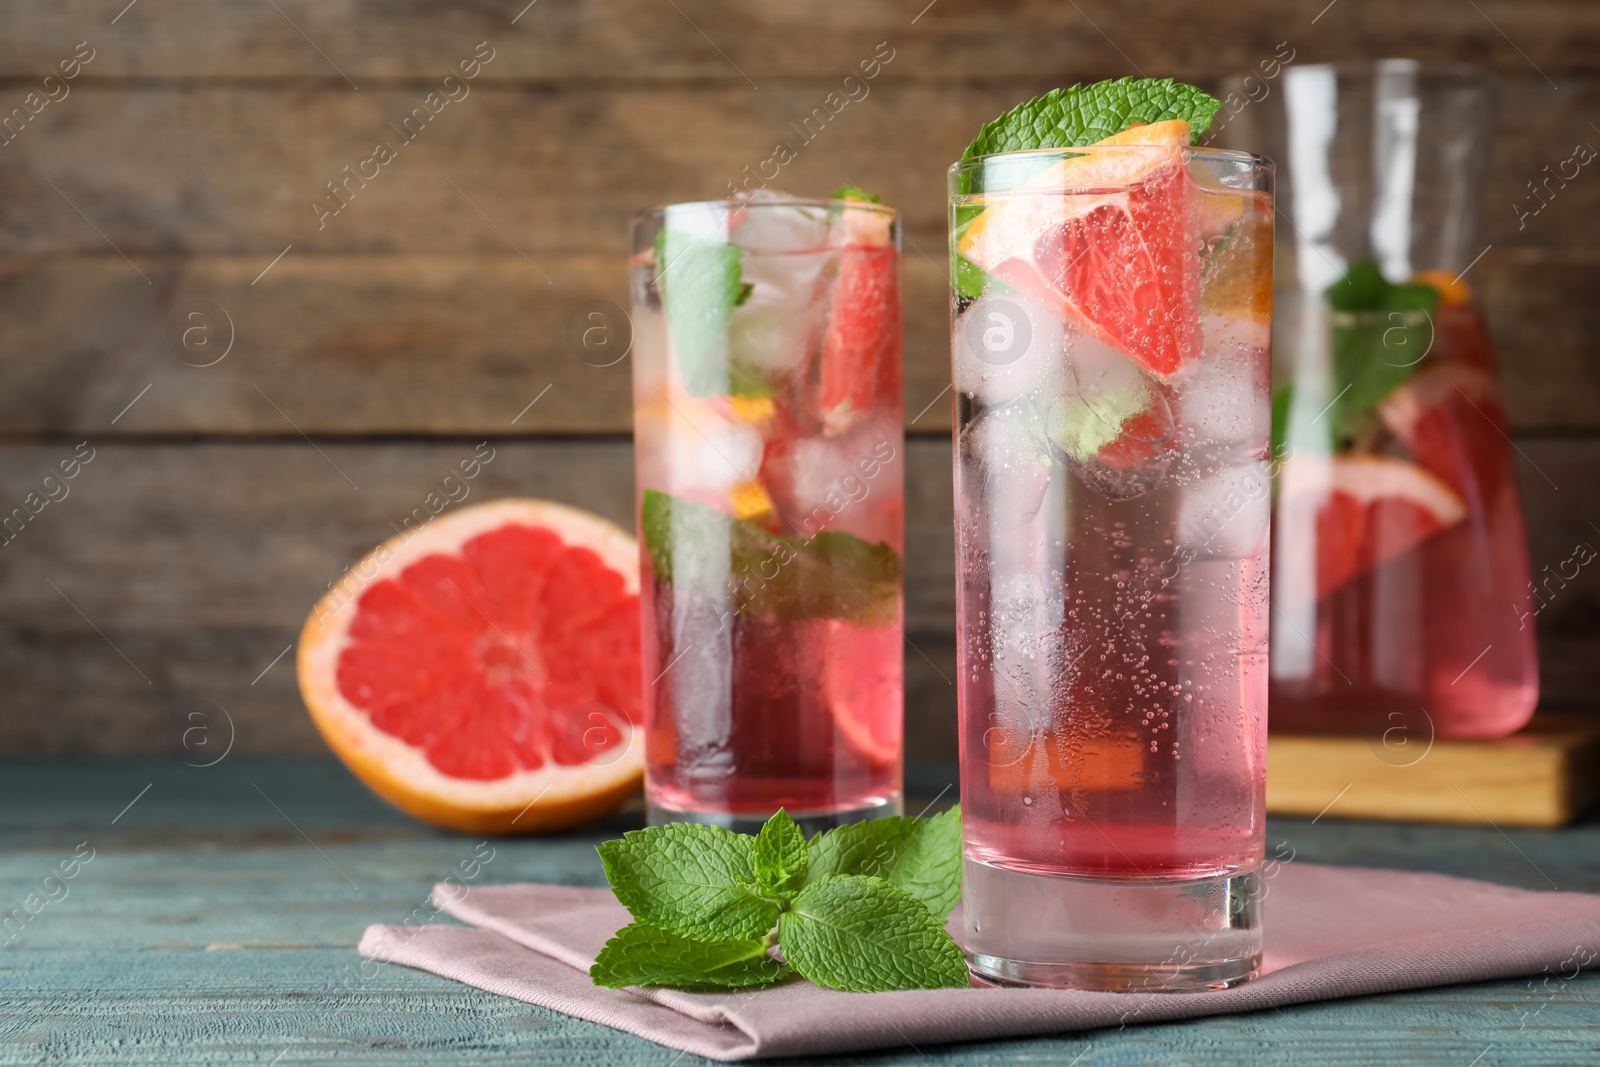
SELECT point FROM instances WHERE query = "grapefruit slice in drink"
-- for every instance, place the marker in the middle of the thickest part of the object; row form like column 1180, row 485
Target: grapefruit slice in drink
column 860, row 363
column 481, row 672
column 1114, row 251
column 862, row 680
column 1369, row 510
column 1450, row 418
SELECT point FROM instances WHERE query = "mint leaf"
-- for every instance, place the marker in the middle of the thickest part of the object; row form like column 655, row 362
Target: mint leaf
column 851, row 192
column 699, row 550
column 1085, row 114
column 920, row 856
column 1282, row 404
column 701, row 282
column 970, row 281
column 1361, row 288
column 860, row 908
column 690, row 879
column 1380, row 335
column 865, row 935
column 1084, row 423
column 641, row 954
column 780, row 856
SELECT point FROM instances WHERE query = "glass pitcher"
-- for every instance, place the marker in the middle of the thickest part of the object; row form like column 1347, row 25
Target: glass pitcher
column 1399, row 564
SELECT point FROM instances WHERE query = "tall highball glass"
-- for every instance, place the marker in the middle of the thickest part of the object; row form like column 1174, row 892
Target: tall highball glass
column 769, row 456
column 1110, row 346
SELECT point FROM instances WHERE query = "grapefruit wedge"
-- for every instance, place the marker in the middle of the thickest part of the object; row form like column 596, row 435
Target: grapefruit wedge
column 1450, row 418
column 860, row 363
column 1115, row 252
column 1369, row 510
column 863, row 678
column 482, row 671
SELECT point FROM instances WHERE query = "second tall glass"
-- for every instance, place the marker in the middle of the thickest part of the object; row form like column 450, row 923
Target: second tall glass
column 769, row 459
column 1110, row 341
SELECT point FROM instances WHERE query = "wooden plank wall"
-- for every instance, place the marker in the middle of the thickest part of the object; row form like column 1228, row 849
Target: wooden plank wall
column 359, row 355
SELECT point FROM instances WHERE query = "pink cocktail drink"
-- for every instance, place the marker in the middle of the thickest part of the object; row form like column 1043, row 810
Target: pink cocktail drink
column 1113, row 483
column 768, row 445
column 1401, row 567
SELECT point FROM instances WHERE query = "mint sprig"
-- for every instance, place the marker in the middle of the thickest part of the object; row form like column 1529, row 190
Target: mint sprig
column 1381, row 331
column 860, row 907
column 1085, row 114
column 701, row 551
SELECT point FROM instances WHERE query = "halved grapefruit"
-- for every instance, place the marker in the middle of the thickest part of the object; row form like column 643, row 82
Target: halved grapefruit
column 1369, row 510
column 481, row 672
column 1115, row 253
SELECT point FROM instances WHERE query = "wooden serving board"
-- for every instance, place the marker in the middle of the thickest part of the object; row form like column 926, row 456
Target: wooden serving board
column 1544, row 775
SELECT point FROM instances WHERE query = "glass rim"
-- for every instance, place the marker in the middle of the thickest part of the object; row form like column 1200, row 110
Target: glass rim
column 1251, row 159
column 735, row 203
column 1436, row 71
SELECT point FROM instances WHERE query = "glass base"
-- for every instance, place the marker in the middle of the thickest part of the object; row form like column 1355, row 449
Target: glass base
column 1156, row 935
column 811, row 822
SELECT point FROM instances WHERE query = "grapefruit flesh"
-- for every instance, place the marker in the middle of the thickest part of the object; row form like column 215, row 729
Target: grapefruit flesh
column 1370, row 509
column 1450, row 418
column 1141, row 441
column 860, row 363
column 482, row 671
column 863, row 682
column 1115, row 253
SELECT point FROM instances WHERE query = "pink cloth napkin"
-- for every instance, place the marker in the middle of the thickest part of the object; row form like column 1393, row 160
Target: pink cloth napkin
column 1330, row 932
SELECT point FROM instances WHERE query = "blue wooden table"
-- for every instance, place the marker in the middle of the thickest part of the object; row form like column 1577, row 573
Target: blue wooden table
column 216, row 922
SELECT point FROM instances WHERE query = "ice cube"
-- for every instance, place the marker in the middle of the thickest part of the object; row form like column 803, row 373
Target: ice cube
column 842, row 482
column 1094, row 368
column 1111, row 421
column 1025, row 635
column 862, row 224
column 768, row 221
column 1222, row 399
column 1226, row 514
column 704, row 221
column 784, row 250
column 1231, row 332
column 774, row 330
column 1011, row 460
column 691, row 449
column 1005, row 346
column 1122, row 483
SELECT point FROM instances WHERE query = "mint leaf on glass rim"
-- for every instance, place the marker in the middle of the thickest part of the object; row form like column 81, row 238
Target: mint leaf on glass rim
column 642, row 954
column 1085, row 114
column 691, row 879
column 920, row 856
column 780, row 857
column 864, row 935
column 851, row 192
